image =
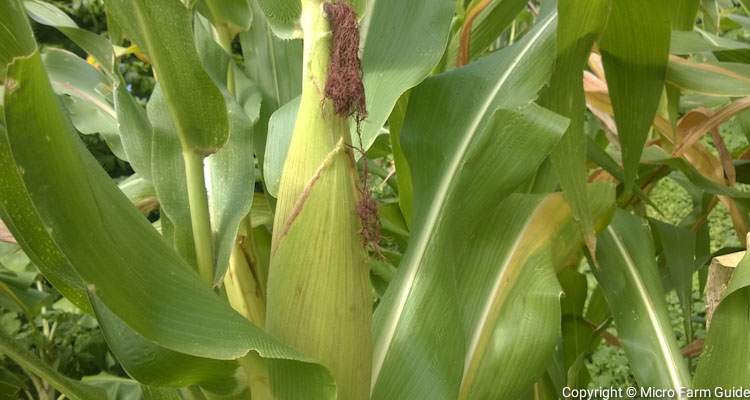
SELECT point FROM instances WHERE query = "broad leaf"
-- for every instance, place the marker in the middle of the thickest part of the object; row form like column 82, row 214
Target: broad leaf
column 473, row 134
column 195, row 103
column 402, row 43
column 627, row 272
column 580, row 23
column 635, row 48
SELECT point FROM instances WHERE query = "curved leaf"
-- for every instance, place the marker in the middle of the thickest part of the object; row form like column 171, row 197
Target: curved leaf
column 509, row 306
column 195, row 103
column 403, row 41
column 469, row 135
column 580, row 24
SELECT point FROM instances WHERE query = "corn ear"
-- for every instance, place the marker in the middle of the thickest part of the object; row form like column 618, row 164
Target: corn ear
column 318, row 288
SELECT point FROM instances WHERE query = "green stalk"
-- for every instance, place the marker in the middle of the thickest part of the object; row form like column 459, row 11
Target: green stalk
column 245, row 295
column 199, row 215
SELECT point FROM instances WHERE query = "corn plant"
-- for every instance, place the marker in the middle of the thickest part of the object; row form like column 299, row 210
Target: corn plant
column 380, row 199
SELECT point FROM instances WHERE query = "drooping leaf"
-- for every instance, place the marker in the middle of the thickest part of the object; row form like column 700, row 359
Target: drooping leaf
column 402, row 43
column 628, row 275
column 710, row 79
column 635, row 48
column 195, row 103
column 580, row 24
column 464, row 133
column 96, row 45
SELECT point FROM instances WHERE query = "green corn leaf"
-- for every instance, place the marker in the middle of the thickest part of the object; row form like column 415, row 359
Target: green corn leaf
column 419, row 291
column 725, row 362
column 503, row 304
column 195, row 103
column 276, row 66
column 130, row 137
column 678, row 252
column 486, row 29
column 229, row 16
column 683, row 14
column 280, row 129
column 403, row 41
column 580, row 24
column 715, row 79
column 98, row 46
column 635, row 48
column 403, row 173
column 230, row 172
column 283, row 16
column 74, row 390
column 628, row 274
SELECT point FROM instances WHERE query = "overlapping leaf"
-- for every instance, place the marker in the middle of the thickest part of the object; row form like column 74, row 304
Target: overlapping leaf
column 77, row 226
column 419, row 300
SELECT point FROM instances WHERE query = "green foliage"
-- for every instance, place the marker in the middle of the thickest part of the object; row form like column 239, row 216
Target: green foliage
column 193, row 219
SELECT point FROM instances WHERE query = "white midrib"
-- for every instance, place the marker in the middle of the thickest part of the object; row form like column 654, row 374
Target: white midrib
column 674, row 374
column 420, row 246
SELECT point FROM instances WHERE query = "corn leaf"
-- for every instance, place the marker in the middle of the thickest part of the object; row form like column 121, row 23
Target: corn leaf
column 635, row 48
column 195, row 103
column 71, row 389
column 684, row 14
column 628, row 274
column 130, row 140
column 421, row 290
column 725, row 362
column 580, row 24
column 508, row 309
column 486, row 29
column 403, row 41
column 230, row 16
column 275, row 65
column 280, row 129
column 96, row 45
column 717, row 79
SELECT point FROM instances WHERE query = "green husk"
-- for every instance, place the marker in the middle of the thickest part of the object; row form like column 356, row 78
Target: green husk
column 318, row 286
